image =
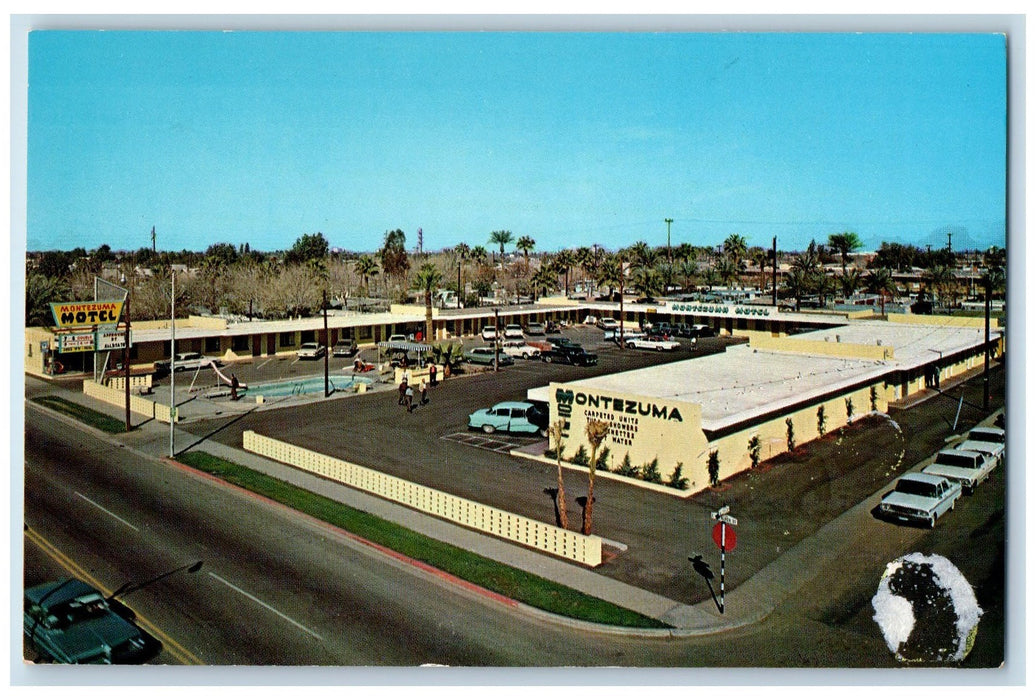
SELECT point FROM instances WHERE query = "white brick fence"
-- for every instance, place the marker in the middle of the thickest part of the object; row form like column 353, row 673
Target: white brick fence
column 117, row 397
column 585, row 549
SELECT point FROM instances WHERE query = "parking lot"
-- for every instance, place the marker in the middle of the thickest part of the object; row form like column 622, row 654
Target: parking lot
column 777, row 505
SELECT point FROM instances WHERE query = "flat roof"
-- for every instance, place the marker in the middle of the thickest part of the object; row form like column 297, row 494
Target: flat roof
column 745, row 383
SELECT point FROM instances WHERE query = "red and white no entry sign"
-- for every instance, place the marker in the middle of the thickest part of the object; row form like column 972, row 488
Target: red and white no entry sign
column 724, row 537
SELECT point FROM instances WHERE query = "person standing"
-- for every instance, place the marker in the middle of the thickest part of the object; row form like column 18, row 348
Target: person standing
column 402, row 391
column 234, row 384
column 409, row 399
column 424, row 393
column 432, row 371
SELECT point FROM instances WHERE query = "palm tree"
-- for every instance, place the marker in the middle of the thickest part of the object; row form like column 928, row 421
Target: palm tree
column 612, row 272
column 850, row 282
column 797, row 282
column 844, row 243
column 544, row 278
column 880, row 281
column 596, row 431
column 525, row 244
column 40, row 290
column 760, row 257
column 428, row 278
column 648, row 280
column 940, row 278
column 463, row 252
column 735, row 248
column 727, row 271
column 502, row 238
column 479, row 255
column 565, row 259
column 556, row 430
column 366, row 266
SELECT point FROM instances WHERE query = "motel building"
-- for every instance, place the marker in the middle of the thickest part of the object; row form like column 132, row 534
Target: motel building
column 749, row 398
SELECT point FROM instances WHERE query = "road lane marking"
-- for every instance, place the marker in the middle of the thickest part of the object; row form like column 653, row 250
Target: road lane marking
column 264, row 364
column 174, row 648
column 100, row 507
column 271, row 609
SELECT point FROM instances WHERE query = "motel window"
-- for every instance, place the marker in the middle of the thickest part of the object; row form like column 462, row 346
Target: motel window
column 309, row 336
column 239, row 343
column 211, row 345
column 287, row 340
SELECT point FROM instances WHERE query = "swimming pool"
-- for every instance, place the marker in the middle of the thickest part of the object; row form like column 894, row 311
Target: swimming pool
column 308, row 385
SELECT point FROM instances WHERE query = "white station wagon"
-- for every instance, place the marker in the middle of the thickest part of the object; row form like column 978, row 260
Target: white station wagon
column 920, row 498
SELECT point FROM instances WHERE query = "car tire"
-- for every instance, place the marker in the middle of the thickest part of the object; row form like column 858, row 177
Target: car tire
column 548, row 359
column 488, row 429
column 525, row 356
column 931, row 523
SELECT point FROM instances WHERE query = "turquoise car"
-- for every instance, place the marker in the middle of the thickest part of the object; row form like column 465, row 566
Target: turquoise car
column 510, row 417
column 71, row 622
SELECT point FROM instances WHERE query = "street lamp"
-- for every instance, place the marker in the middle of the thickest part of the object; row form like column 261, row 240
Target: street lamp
column 129, row 587
column 668, row 242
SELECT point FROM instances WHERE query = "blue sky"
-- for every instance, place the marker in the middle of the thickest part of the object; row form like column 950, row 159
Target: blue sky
column 572, row 139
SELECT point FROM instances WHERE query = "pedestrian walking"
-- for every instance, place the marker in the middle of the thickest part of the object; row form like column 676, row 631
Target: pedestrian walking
column 432, row 371
column 424, row 393
column 234, row 384
column 402, row 391
column 409, row 399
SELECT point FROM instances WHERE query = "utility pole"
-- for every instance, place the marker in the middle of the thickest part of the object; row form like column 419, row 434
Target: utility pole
column 172, row 359
column 668, row 240
column 775, row 270
column 126, row 362
column 327, row 351
column 152, row 239
column 496, row 340
column 985, row 371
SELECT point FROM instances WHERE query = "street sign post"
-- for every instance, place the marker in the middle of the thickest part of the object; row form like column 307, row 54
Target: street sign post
column 725, row 538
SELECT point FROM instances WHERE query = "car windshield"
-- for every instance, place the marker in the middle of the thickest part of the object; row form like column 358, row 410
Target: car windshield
column 916, row 488
column 986, row 435
column 955, row 460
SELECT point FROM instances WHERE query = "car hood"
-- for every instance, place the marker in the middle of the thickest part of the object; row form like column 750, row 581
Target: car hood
column 950, row 471
column 89, row 641
column 989, row 448
column 909, row 500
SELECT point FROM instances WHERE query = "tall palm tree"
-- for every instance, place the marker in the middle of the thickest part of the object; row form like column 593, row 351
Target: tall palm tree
column 544, row 278
column 727, row 271
column 565, row 259
column 428, row 278
column 596, row 431
column 796, row 282
column 760, row 257
column 613, row 274
column 365, row 267
column 479, row 255
column 880, row 281
column 556, row 430
column 845, row 243
column 850, row 282
column 735, row 247
column 501, row 238
column 525, row 244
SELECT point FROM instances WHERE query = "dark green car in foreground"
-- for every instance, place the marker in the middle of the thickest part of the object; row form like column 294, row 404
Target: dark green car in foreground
column 71, row 622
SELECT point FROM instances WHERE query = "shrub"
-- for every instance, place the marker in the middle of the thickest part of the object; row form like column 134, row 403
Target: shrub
column 849, row 409
column 627, row 468
column 550, row 453
column 581, row 457
column 755, row 447
column 714, row 467
column 649, row 472
column 821, row 420
column 602, row 459
column 677, row 480
column 791, row 434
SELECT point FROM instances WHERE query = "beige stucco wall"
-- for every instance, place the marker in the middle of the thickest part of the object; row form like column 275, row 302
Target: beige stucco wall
column 959, row 321
column 832, row 348
column 644, row 428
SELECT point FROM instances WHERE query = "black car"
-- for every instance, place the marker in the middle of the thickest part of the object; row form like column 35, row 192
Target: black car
column 570, row 356
column 560, row 341
column 344, row 348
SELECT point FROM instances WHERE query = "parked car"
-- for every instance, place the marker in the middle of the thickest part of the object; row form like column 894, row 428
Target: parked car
column 683, row 330
column 186, row 362
column 398, row 338
column 920, row 498
column 534, row 329
column 344, row 348
column 701, row 330
column 513, row 331
column 311, row 351
column 560, row 341
column 969, row 469
column 608, row 324
column 652, row 343
column 485, row 356
column 511, row 417
column 519, row 348
column 71, row 622
column 627, row 334
column 488, row 333
column 570, row 356
column 988, row 441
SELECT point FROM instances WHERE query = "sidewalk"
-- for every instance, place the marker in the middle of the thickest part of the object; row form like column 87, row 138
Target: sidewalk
column 750, row 602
